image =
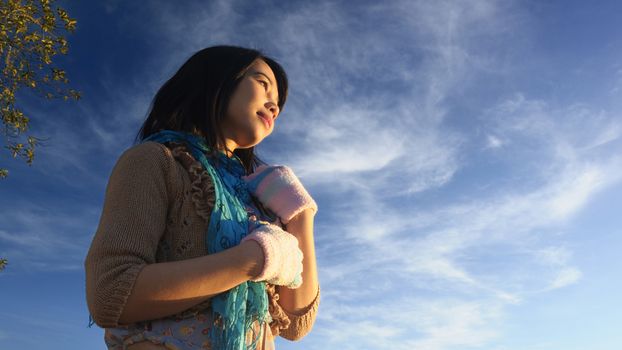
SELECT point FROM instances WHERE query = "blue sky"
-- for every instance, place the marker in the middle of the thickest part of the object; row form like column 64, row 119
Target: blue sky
column 465, row 157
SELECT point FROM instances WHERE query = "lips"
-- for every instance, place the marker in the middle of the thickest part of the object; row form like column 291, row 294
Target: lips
column 265, row 119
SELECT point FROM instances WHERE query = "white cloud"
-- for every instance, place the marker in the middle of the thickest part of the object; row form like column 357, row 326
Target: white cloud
column 445, row 249
column 554, row 255
column 581, row 187
column 565, row 277
column 493, row 142
column 407, row 322
column 42, row 239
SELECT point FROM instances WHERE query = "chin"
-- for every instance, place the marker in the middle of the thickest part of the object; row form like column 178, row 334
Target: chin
column 251, row 143
column 260, row 136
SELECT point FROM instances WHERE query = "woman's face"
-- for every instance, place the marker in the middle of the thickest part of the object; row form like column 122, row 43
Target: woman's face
column 252, row 108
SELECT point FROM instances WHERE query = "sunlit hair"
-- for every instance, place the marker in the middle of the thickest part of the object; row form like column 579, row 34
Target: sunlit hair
column 195, row 99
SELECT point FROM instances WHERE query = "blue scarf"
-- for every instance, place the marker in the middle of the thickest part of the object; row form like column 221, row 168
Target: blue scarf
column 236, row 310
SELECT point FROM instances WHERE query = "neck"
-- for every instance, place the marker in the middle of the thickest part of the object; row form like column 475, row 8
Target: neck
column 230, row 145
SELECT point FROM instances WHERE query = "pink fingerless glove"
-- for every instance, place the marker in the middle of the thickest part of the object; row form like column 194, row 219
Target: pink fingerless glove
column 280, row 190
column 282, row 256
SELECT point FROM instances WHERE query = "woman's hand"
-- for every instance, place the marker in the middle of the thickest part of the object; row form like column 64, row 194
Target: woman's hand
column 280, row 190
column 282, row 256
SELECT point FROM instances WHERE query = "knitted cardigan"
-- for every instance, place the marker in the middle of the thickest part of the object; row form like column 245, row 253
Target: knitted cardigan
column 157, row 207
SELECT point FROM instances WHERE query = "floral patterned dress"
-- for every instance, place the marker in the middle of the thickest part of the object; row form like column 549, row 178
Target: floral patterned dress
column 178, row 334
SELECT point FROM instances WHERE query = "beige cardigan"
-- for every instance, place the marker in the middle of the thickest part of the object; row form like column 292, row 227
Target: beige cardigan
column 156, row 209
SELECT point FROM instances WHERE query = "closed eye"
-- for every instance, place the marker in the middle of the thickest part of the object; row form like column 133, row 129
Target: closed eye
column 261, row 81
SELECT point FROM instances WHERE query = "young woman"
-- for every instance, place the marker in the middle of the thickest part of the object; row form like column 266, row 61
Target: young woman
column 201, row 245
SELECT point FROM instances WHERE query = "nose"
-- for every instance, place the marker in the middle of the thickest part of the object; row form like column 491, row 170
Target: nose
column 274, row 109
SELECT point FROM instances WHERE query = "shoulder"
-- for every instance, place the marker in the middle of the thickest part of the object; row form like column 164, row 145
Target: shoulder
column 145, row 164
column 147, row 150
column 146, row 158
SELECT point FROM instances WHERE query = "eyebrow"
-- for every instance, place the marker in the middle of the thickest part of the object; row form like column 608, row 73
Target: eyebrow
column 264, row 74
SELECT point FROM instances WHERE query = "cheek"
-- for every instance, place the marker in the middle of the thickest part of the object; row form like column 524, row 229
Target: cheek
column 238, row 115
column 242, row 100
column 235, row 109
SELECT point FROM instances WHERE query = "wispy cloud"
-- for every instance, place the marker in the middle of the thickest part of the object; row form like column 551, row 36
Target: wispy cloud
column 565, row 277
column 38, row 238
column 448, row 248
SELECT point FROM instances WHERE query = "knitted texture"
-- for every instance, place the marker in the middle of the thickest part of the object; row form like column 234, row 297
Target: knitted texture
column 301, row 320
column 282, row 257
column 280, row 190
column 153, row 194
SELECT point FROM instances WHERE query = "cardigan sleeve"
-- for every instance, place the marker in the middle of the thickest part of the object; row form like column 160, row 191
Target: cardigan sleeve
column 301, row 322
column 132, row 223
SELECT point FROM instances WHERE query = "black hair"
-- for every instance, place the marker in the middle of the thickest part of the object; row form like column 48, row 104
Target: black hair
column 196, row 98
